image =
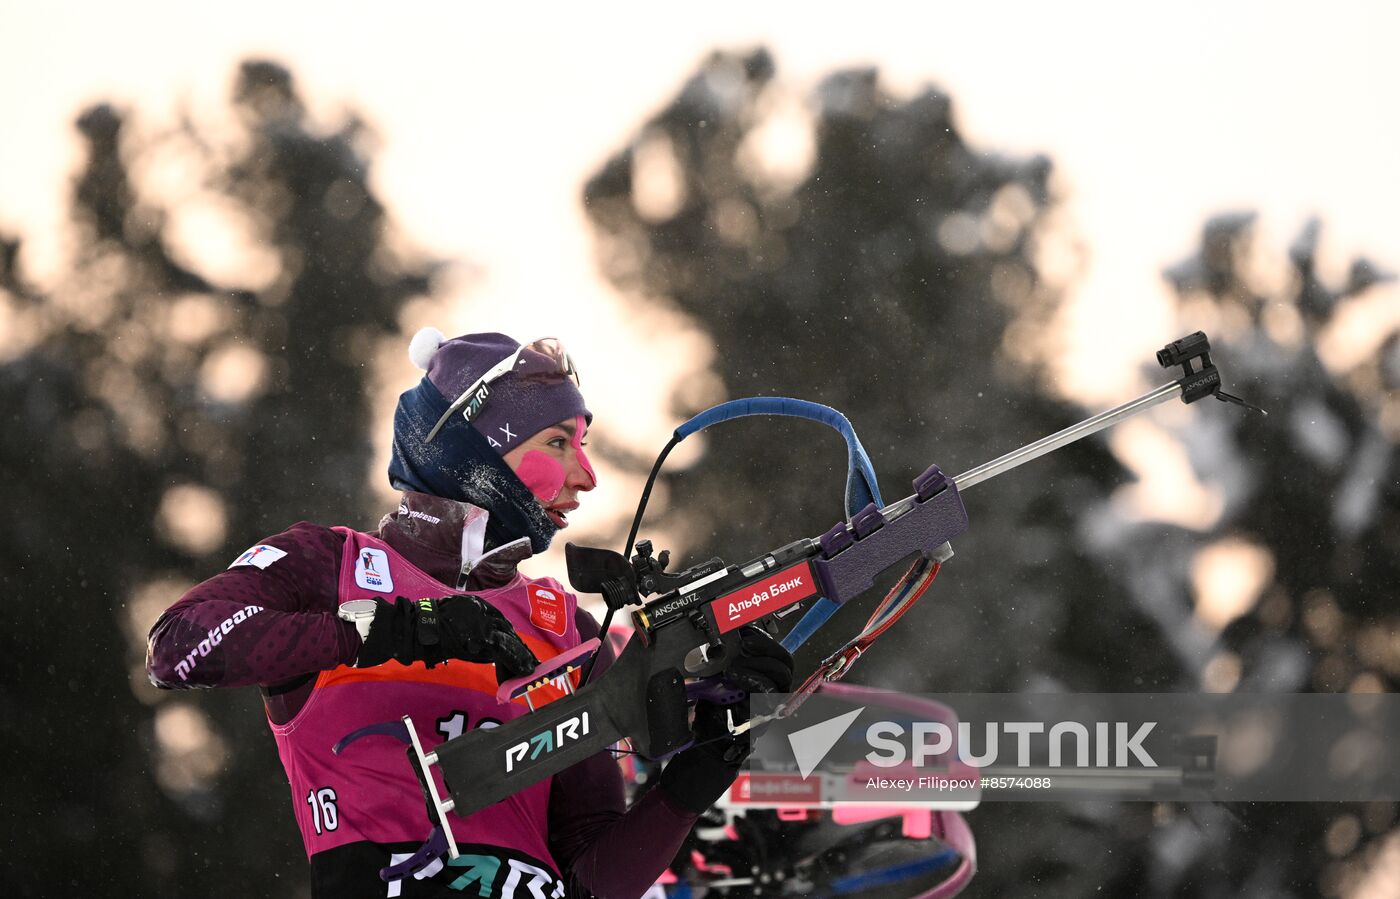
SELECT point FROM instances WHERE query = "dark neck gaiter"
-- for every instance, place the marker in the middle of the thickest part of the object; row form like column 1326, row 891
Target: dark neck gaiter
column 460, row 464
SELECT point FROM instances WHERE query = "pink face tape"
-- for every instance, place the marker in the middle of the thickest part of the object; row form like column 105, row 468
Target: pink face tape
column 544, row 475
column 579, row 427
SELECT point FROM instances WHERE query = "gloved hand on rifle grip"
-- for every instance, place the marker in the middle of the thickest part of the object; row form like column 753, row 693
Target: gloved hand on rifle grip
column 697, row 777
column 436, row 630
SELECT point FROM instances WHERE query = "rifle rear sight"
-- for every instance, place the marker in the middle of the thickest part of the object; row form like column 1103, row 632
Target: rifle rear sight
column 652, row 576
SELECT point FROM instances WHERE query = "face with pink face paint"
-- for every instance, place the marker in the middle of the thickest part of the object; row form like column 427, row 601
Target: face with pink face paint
column 554, row 466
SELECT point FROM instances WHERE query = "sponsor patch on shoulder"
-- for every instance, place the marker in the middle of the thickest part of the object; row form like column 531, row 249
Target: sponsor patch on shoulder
column 259, row 556
column 547, row 609
column 372, row 571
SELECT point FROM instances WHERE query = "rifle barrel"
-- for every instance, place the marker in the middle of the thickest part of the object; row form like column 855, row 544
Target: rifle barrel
column 1068, row 435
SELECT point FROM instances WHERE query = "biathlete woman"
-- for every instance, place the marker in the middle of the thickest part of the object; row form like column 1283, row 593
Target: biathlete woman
column 423, row 617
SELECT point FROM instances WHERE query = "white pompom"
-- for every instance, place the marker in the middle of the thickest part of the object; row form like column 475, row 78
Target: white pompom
column 423, row 345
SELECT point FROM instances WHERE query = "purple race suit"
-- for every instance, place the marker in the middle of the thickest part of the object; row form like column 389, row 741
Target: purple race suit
column 270, row 619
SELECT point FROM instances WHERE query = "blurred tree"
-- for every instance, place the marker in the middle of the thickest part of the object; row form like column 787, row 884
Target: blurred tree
column 1310, row 508
column 163, row 419
column 898, row 277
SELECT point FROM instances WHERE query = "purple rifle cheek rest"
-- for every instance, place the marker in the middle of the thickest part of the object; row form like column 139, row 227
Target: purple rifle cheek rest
column 856, row 559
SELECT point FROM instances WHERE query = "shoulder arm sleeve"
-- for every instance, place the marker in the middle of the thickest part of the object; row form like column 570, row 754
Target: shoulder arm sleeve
column 594, row 836
column 257, row 625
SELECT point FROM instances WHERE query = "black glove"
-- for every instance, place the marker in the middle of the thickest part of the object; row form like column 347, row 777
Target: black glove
column 435, row 630
column 699, row 776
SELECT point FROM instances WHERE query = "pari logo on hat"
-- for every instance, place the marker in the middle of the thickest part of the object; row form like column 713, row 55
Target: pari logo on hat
column 372, row 571
column 546, row 609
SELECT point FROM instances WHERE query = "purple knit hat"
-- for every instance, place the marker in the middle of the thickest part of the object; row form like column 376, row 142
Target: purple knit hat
column 518, row 406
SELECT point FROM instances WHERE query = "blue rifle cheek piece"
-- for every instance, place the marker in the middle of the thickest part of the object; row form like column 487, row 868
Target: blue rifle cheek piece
column 811, row 620
column 862, row 488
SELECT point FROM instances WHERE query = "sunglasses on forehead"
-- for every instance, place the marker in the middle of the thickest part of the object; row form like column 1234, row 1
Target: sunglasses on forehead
column 541, row 358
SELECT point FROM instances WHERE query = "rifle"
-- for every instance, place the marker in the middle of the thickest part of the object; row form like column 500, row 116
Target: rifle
column 685, row 637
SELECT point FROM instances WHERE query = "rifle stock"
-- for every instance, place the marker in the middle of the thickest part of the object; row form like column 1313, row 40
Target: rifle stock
column 642, row 699
column 488, row 764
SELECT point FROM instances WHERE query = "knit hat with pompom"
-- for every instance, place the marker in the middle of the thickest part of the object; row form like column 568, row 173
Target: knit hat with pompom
column 518, row 407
